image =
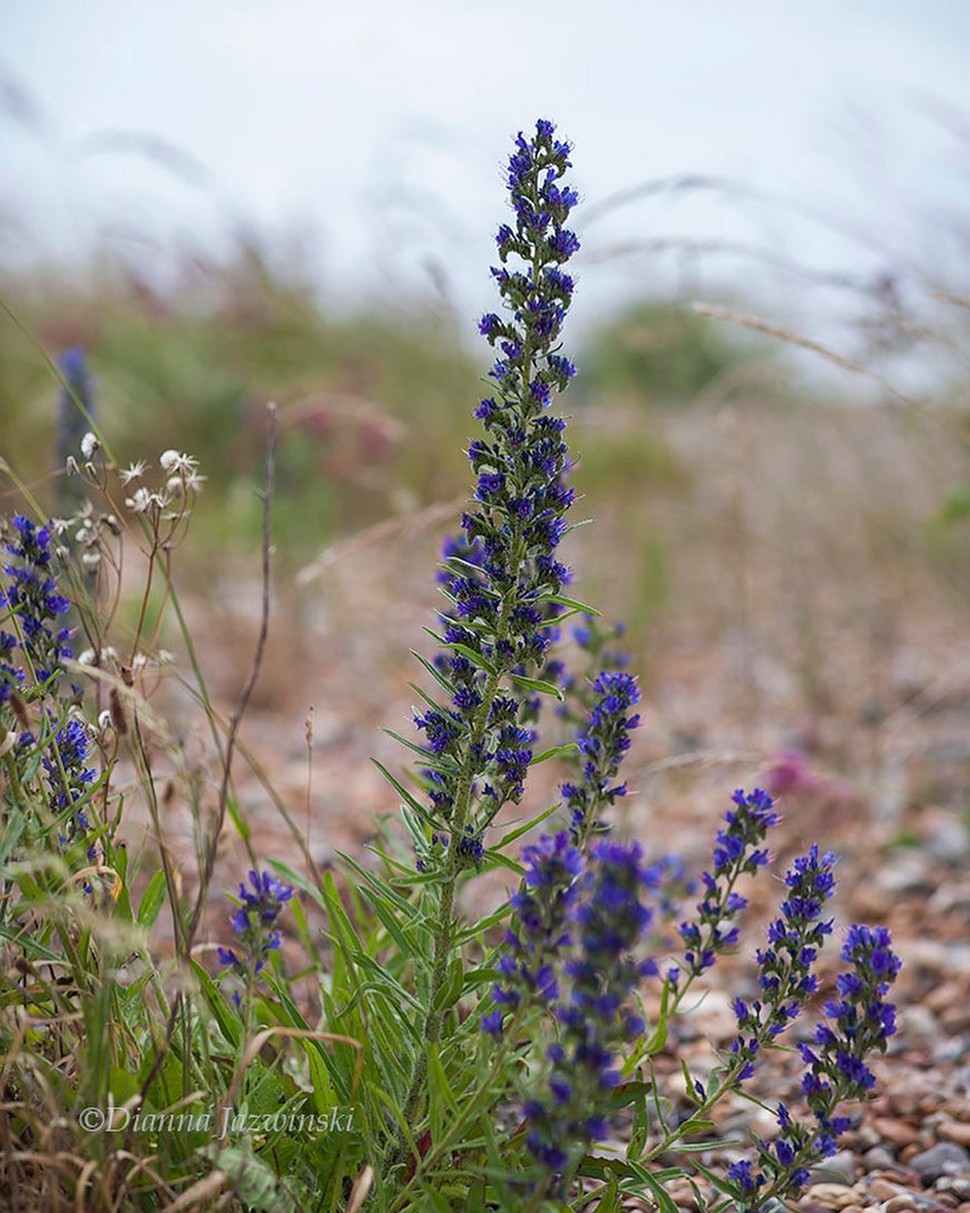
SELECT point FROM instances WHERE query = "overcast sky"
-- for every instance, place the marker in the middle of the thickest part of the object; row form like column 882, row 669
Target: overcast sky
column 380, row 129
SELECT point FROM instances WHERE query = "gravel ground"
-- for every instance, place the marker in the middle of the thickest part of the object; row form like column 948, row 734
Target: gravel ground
column 797, row 654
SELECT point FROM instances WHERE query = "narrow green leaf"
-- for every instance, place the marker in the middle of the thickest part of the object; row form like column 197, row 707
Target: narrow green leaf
column 556, row 751
column 433, row 670
column 627, row 1093
column 152, row 901
column 463, row 650
column 342, row 930
column 658, row 1037
column 390, row 990
column 640, row 1130
column 399, row 788
column 665, row 1202
column 298, row 880
column 407, row 945
column 512, row 835
column 451, row 987
column 537, row 685
column 411, row 745
column 574, row 604
column 429, row 701
column 238, row 818
column 379, row 885
column 484, row 924
column 474, row 569
column 494, row 859
column 225, row 1017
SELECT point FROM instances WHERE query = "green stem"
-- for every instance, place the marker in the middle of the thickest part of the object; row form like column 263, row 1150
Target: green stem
column 727, row 1083
column 444, row 923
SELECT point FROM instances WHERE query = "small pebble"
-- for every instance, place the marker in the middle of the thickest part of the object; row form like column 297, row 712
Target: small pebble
column 866, row 1136
column 956, row 1019
column 839, row 1169
column 945, row 1158
column 882, row 1189
column 896, row 1131
column 878, row 1159
column 953, row 1130
column 918, row 1025
column 906, row 872
column 952, row 1049
column 832, row 1196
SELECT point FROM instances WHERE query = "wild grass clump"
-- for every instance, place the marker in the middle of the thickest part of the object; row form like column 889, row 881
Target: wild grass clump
column 414, row 1057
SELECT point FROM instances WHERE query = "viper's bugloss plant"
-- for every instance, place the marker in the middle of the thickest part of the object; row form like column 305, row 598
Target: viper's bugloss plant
column 254, row 923
column 34, row 641
column 500, row 1061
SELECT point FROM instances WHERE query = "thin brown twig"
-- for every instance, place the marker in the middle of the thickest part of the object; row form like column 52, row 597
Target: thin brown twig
column 209, row 860
column 951, row 297
column 246, row 693
column 760, row 325
column 409, row 524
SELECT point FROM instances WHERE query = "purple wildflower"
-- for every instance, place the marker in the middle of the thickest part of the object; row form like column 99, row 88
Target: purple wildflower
column 254, row 923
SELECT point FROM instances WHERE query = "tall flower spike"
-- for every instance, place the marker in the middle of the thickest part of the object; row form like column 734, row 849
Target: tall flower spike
column 602, row 744
column 540, row 930
column 33, row 598
column 737, row 851
column 785, row 966
column 502, row 576
column 860, row 1021
column 69, row 781
column 595, row 1018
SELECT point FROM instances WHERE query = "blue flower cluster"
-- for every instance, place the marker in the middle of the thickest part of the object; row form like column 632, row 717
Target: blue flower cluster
column 785, row 967
column 571, row 950
column 738, row 850
column 542, row 909
column 602, row 745
column 33, row 600
column 69, row 780
column 501, row 577
column 254, row 923
column 67, row 776
column 860, row 1021
column 595, row 1016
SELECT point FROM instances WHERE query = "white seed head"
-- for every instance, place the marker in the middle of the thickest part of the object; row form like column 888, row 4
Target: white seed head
column 142, row 501
column 134, row 471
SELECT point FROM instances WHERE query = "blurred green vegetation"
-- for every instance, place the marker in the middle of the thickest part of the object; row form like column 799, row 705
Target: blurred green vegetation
column 374, row 407
column 665, row 355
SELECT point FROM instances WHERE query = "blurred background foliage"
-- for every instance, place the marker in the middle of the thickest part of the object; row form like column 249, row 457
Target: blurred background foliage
column 708, row 462
column 659, row 354
column 374, row 406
